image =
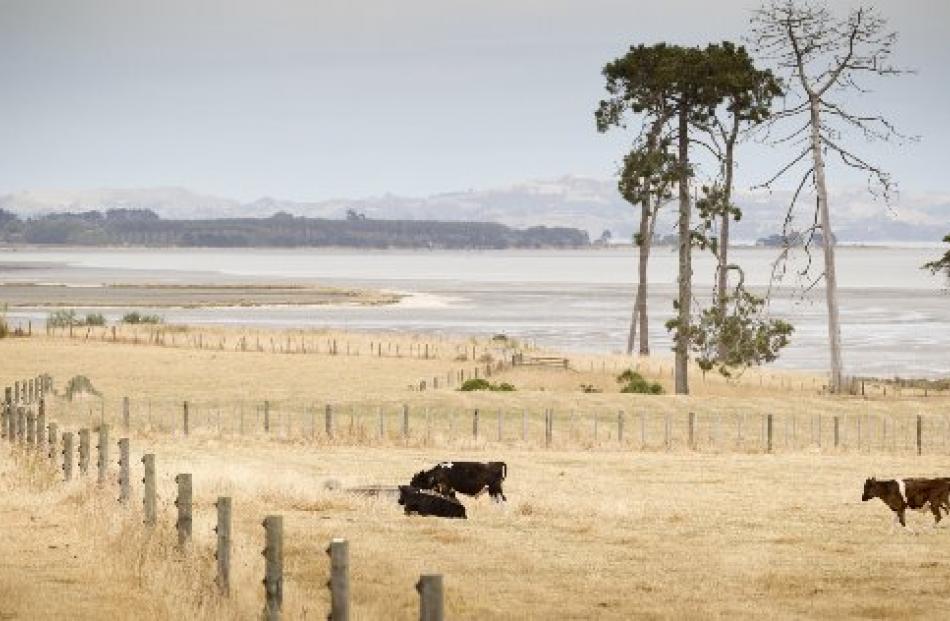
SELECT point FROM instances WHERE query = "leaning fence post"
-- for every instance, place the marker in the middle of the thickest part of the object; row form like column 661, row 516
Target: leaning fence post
column 920, row 426
column 124, row 482
column 103, row 447
column 183, row 502
column 184, row 419
column 68, row 455
column 431, row 597
column 339, row 583
column 53, row 440
column 223, row 552
column 328, row 420
column 83, row 451
column 768, row 432
column 273, row 566
column 149, row 486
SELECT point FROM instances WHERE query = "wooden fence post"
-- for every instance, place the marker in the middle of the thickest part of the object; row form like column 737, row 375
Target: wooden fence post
column 68, row 455
column 475, row 425
column 339, row 580
column 837, row 431
column 920, row 427
column 53, row 440
column 183, row 502
column 328, row 420
column 83, row 451
column 768, row 432
column 103, row 447
column 431, row 597
column 273, row 566
column 41, row 425
column 667, row 431
column 124, row 481
column 30, row 428
column 405, row 420
column 149, row 486
column 548, row 428
column 125, row 413
column 691, row 431
column 21, row 424
column 223, row 552
column 184, row 414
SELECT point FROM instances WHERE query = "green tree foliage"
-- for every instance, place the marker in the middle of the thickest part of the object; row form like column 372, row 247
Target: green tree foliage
column 942, row 264
column 738, row 338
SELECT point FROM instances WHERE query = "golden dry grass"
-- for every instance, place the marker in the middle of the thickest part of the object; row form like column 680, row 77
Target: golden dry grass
column 590, row 531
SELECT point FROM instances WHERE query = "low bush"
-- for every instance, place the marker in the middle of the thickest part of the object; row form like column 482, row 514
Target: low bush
column 483, row 384
column 635, row 383
column 136, row 317
column 80, row 384
column 94, row 319
column 62, row 318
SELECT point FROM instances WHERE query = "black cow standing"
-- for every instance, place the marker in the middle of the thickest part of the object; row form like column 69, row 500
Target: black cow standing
column 468, row 477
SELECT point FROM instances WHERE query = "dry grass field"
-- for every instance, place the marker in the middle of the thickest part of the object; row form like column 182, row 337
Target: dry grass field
column 592, row 529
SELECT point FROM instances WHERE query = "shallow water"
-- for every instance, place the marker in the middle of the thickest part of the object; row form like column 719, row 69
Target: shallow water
column 895, row 316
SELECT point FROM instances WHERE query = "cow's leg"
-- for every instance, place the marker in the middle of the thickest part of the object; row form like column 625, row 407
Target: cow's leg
column 935, row 509
column 494, row 488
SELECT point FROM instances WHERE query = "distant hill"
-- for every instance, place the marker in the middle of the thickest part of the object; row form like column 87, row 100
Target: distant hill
column 575, row 202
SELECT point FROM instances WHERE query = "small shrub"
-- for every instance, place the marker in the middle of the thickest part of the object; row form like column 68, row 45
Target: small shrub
column 4, row 326
column 590, row 388
column 475, row 384
column 483, row 384
column 80, row 384
column 136, row 317
column 635, row 383
column 94, row 319
column 62, row 318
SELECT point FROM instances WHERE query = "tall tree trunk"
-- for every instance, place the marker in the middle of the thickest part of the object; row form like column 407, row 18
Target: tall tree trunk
column 644, row 262
column 639, row 316
column 723, row 286
column 831, row 279
column 685, row 267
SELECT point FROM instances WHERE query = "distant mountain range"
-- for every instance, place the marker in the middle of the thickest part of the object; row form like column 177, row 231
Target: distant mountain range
column 590, row 204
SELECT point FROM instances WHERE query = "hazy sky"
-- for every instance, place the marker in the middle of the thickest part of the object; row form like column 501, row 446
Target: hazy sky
column 318, row 99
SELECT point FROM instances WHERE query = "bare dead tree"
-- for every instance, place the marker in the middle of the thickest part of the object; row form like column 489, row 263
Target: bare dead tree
column 824, row 56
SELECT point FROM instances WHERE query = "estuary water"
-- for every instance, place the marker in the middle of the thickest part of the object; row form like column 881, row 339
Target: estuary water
column 895, row 316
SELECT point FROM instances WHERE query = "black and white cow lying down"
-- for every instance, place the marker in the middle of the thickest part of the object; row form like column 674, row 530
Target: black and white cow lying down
column 903, row 494
column 472, row 478
column 426, row 502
